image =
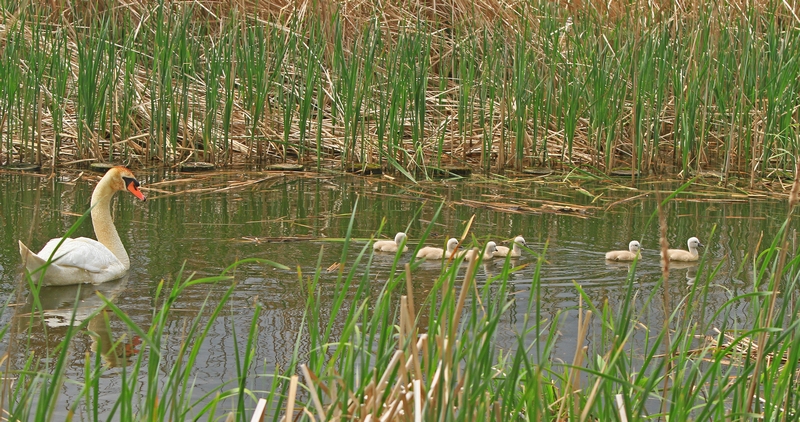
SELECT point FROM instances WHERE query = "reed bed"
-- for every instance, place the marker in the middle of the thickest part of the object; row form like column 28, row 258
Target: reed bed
column 397, row 354
column 649, row 87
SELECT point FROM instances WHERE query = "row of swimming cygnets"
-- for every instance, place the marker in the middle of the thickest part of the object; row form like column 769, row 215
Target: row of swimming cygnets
column 634, row 250
column 492, row 250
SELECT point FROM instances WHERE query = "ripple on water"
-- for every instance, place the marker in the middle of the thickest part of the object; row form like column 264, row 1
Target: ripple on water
column 205, row 233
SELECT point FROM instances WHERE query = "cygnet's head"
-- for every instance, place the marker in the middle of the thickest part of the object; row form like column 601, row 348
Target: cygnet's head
column 520, row 240
column 452, row 244
column 398, row 238
column 694, row 243
column 634, row 246
column 491, row 247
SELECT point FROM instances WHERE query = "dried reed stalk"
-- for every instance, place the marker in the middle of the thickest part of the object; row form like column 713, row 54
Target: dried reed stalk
column 410, row 396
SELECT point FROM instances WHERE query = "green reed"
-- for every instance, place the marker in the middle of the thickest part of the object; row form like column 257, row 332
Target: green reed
column 489, row 86
column 254, row 55
column 212, row 73
column 418, row 58
column 288, row 79
column 550, row 107
column 30, row 92
column 229, row 59
column 280, row 43
column 94, row 79
column 10, row 59
column 389, row 97
column 58, row 70
column 310, row 85
column 710, row 90
column 520, row 92
column 345, row 94
column 124, row 100
column 457, row 70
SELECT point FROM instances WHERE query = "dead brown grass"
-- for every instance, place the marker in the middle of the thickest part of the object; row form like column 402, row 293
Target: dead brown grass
column 395, row 17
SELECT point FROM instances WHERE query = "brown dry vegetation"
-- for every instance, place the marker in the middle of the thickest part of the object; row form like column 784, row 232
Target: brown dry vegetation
column 167, row 120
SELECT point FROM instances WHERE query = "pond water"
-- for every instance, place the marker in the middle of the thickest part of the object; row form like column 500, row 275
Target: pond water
column 203, row 223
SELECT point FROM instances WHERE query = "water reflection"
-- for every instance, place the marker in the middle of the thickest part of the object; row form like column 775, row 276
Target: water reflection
column 46, row 321
column 78, row 313
column 62, row 306
column 116, row 349
column 199, row 225
column 689, row 267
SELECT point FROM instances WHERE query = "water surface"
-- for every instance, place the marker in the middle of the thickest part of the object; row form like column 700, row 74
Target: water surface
column 201, row 224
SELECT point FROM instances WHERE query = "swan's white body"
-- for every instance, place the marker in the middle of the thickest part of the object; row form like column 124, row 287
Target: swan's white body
column 685, row 256
column 430, row 252
column 515, row 251
column 632, row 253
column 85, row 260
column 390, row 245
column 473, row 254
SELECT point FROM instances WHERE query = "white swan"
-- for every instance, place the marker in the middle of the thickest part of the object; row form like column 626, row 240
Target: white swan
column 685, row 256
column 473, row 254
column 515, row 251
column 632, row 253
column 390, row 245
column 85, row 260
column 430, row 252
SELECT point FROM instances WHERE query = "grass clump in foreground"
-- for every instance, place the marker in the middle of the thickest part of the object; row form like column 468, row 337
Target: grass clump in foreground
column 397, row 355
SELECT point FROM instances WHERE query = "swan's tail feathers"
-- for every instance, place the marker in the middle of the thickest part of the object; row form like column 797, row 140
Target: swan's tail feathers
column 32, row 261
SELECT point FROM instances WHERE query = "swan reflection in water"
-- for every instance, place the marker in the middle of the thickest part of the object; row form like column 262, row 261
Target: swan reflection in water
column 689, row 266
column 78, row 306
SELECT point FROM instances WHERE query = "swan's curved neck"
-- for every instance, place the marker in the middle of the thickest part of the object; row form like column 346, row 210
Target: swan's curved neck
column 103, row 223
column 693, row 250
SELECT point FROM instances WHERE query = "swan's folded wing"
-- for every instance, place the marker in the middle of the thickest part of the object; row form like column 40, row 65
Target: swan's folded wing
column 84, row 253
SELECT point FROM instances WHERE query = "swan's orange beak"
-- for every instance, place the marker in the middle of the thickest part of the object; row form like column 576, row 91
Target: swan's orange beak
column 133, row 187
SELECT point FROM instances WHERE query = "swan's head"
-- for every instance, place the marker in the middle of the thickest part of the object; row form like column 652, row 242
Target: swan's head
column 634, row 246
column 694, row 243
column 491, row 247
column 120, row 178
column 520, row 241
column 398, row 238
column 452, row 244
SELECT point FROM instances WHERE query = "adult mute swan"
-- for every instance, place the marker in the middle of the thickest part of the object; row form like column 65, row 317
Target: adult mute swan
column 85, row 260
column 685, row 256
column 390, row 245
column 632, row 253
column 430, row 252
column 515, row 251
